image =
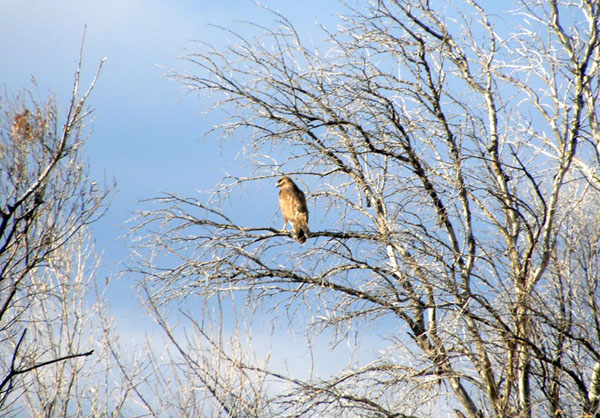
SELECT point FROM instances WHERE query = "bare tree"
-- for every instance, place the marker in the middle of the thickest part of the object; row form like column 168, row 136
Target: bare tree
column 67, row 318
column 46, row 201
column 451, row 158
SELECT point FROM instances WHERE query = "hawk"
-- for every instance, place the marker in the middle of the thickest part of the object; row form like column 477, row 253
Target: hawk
column 293, row 207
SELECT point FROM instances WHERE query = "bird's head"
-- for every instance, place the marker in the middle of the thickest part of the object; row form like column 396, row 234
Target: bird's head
column 283, row 181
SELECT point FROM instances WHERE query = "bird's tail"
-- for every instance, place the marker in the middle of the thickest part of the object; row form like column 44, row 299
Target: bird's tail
column 302, row 234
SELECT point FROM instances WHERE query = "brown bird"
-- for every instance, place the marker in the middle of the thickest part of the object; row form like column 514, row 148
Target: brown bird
column 293, row 207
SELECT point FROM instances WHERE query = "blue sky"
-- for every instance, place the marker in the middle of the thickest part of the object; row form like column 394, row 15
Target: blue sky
column 146, row 136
